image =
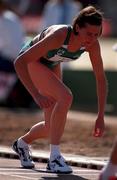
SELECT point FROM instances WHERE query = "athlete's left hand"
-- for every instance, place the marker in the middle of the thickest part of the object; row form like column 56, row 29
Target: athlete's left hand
column 99, row 128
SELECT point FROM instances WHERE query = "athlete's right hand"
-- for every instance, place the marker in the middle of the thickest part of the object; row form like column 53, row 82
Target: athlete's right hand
column 99, row 127
column 44, row 101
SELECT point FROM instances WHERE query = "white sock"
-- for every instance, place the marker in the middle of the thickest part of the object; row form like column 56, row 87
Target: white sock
column 54, row 151
column 109, row 170
column 21, row 142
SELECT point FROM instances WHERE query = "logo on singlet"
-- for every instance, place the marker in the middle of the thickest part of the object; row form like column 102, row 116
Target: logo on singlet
column 60, row 52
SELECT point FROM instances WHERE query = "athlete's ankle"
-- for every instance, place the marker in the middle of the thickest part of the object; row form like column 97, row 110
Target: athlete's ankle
column 21, row 142
column 54, row 151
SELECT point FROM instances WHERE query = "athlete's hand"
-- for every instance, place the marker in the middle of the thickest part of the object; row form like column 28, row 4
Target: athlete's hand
column 99, row 128
column 44, row 101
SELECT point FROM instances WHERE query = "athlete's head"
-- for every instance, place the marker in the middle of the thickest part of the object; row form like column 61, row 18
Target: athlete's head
column 89, row 15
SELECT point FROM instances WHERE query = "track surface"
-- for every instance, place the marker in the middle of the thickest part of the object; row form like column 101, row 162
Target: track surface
column 10, row 170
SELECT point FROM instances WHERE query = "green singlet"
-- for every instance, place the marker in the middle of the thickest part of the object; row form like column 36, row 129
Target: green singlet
column 61, row 54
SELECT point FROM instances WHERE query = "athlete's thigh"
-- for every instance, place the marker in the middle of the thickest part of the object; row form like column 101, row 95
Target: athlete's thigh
column 47, row 82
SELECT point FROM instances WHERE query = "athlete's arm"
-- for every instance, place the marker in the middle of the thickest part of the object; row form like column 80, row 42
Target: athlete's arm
column 101, row 84
column 52, row 40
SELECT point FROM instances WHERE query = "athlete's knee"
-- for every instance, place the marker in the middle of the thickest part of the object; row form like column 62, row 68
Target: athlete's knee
column 66, row 98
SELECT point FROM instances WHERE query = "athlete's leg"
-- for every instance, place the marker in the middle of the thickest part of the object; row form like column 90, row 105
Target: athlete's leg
column 41, row 129
column 49, row 85
column 110, row 169
column 55, row 117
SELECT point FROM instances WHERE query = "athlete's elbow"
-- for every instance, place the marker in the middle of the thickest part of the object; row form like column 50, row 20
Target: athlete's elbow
column 16, row 62
column 19, row 63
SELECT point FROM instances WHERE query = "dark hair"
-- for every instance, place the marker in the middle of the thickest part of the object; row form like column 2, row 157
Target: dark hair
column 89, row 15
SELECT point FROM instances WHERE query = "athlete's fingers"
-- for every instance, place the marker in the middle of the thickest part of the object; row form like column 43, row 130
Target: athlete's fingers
column 98, row 132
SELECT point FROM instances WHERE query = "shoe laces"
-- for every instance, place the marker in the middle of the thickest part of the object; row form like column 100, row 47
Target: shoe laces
column 61, row 160
column 59, row 157
column 27, row 153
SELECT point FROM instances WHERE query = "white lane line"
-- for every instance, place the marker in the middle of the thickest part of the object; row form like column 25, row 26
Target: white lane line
column 35, row 170
column 86, row 170
column 32, row 178
column 41, row 173
column 89, row 171
column 14, row 169
column 21, row 177
column 19, row 173
column 44, row 170
column 85, row 174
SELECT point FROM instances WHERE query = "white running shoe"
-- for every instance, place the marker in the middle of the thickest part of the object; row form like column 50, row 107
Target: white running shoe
column 24, row 155
column 58, row 165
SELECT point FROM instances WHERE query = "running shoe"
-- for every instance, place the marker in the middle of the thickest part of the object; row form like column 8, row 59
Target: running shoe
column 24, row 155
column 58, row 165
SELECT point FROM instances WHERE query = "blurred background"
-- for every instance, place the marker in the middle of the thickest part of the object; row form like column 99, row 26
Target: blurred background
column 20, row 20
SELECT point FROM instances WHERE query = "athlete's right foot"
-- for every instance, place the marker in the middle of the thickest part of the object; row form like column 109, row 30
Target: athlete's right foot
column 24, row 155
column 58, row 165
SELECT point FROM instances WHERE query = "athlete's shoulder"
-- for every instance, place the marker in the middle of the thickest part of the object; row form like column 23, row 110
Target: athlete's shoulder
column 58, row 30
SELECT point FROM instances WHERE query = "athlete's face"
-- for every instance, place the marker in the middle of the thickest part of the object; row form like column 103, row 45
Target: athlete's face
column 89, row 34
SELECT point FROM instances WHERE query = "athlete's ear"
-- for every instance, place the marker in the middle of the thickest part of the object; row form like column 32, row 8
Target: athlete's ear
column 76, row 29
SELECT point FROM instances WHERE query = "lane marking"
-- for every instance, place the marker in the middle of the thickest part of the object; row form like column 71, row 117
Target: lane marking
column 14, row 169
column 39, row 173
column 21, row 177
column 86, row 170
column 23, row 173
column 40, row 169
